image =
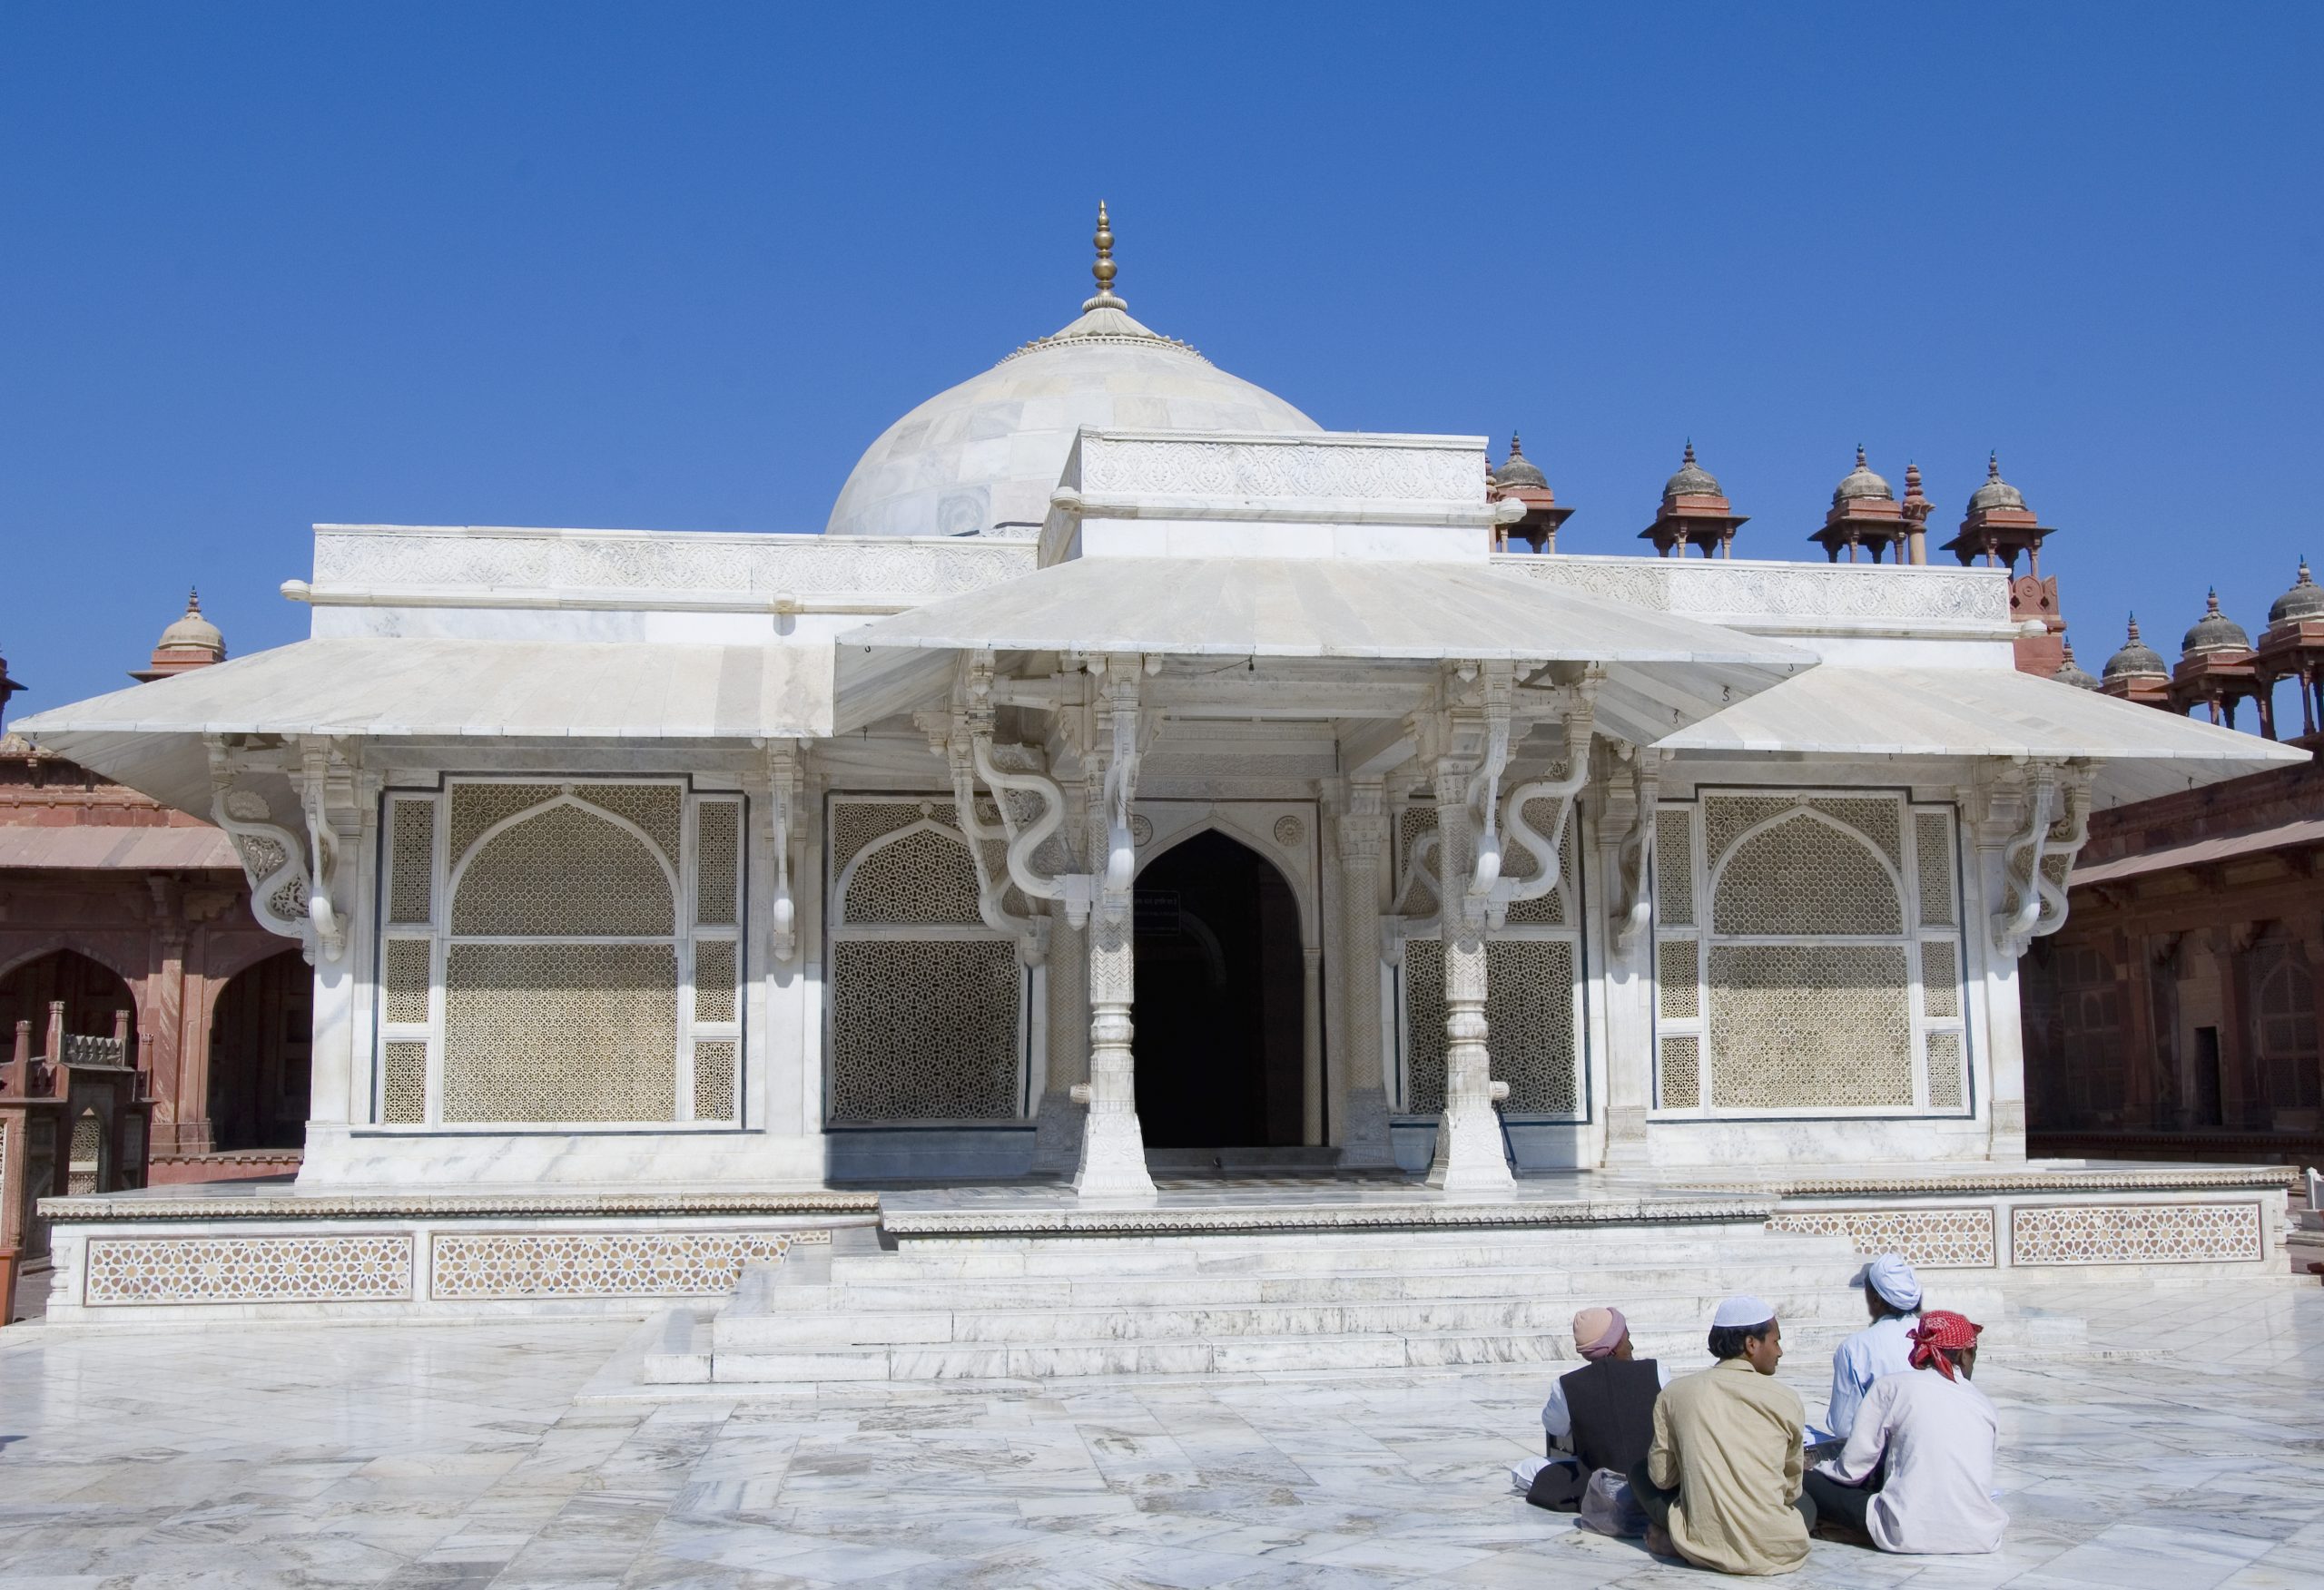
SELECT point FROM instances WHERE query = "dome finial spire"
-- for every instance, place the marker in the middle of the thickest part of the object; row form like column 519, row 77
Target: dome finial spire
column 1104, row 268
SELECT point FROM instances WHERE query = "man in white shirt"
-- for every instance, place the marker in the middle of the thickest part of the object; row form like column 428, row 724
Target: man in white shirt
column 1893, row 1294
column 1917, row 1473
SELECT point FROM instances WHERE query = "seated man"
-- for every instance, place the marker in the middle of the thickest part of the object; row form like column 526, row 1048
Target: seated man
column 1721, row 1482
column 1600, row 1416
column 1893, row 1294
column 1917, row 1473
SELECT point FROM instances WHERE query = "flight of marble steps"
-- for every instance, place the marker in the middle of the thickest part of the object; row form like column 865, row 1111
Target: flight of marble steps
column 1043, row 1307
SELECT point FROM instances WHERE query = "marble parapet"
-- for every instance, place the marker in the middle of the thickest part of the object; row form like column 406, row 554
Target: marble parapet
column 395, row 566
column 1788, row 598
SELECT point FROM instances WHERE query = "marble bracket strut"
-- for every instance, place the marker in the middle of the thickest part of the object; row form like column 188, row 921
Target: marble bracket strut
column 787, row 797
column 2056, row 806
column 292, row 875
column 1633, row 900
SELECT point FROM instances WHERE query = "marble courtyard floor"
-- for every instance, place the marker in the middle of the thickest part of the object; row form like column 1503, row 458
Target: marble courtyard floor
column 2186, row 1450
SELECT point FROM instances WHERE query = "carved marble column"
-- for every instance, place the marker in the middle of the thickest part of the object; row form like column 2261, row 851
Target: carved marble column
column 1362, row 833
column 1625, row 832
column 1113, row 1147
column 1469, row 1157
column 1996, row 813
column 1056, row 1122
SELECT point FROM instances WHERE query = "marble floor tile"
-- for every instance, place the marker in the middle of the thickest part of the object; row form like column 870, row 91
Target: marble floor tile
column 2182, row 1453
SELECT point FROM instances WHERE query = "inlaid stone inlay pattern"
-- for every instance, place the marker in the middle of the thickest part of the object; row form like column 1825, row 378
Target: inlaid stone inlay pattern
column 598, row 1264
column 1935, row 1239
column 2135, row 1234
column 249, row 1269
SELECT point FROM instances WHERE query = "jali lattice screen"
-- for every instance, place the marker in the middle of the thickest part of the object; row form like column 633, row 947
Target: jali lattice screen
column 928, row 1004
column 1808, row 955
column 560, row 952
column 1533, row 984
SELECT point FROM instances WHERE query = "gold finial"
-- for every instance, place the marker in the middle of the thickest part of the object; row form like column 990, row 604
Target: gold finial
column 1105, row 267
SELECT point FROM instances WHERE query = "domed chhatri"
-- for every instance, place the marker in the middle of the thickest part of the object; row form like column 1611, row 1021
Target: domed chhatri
column 1861, row 484
column 1865, row 516
column 1995, row 493
column 1518, row 469
column 2214, row 633
column 1519, row 479
column 2304, row 604
column 982, row 457
column 190, row 642
column 1692, row 479
column 2071, row 671
column 1695, row 513
column 2136, row 660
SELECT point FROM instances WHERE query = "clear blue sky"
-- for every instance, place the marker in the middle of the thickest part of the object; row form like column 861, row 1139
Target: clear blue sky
column 675, row 266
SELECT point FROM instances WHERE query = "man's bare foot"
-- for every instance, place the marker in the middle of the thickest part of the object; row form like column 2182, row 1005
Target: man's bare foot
column 1657, row 1542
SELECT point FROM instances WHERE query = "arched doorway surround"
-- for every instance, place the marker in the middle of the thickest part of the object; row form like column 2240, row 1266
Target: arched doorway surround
column 1227, row 1054
column 92, row 991
column 261, row 1028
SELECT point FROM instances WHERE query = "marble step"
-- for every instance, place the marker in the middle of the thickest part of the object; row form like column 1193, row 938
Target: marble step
column 856, row 1289
column 1185, row 1356
column 686, row 1355
column 928, row 1261
column 805, row 1321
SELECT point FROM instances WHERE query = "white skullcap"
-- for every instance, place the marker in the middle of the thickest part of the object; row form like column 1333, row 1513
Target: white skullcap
column 1893, row 1279
column 1743, row 1309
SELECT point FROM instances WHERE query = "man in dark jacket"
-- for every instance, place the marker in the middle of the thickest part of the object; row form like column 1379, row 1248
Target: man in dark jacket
column 1600, row 1416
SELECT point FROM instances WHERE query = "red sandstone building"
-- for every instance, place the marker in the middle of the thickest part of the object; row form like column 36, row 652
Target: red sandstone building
column 112, row 903
column 2174, row 1014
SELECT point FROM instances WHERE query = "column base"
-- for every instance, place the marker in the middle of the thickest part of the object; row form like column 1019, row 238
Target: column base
column 1113, row 1160
column 1626, row 1135
column 1368, row 1145
column 1469, row 1157
column 1057, row 1135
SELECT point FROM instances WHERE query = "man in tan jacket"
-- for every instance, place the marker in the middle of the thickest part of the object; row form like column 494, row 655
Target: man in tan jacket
column 1722, row 1479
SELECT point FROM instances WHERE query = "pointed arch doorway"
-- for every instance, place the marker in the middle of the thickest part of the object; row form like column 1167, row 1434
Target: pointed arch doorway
column 1219, row 1013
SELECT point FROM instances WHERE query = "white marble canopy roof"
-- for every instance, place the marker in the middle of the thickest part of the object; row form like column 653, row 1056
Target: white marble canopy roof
column 1948, row 712
column 150, row 737
column 1662, row 671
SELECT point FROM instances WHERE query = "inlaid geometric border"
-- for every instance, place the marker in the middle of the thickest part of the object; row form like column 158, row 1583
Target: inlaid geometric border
column 249, row 1269
column 1938, row 1238
column 2136, row 1233
column 601, row 1264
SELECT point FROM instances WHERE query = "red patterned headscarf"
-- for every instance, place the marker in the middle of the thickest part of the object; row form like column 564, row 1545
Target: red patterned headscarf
column 1940, row 1334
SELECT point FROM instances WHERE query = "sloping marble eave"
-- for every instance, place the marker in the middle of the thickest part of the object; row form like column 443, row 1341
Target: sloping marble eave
column 1662, row 671
column 150, row 737
column 1944, row 713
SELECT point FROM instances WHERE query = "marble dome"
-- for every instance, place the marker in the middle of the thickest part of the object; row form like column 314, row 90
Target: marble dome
column 982, row 457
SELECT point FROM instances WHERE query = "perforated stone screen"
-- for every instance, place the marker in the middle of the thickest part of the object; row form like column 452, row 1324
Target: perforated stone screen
column 1530, row 1018
column 925, row 1029
column 1832, row 980
column 718, row 847
column 1804, row 875
column 560, row 1032
column 1811, row 1025
column 412, row 841
column 568, row 872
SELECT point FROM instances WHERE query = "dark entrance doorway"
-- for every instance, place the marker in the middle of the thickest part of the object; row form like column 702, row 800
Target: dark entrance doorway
column 1220, row 991
column 258, row 1040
